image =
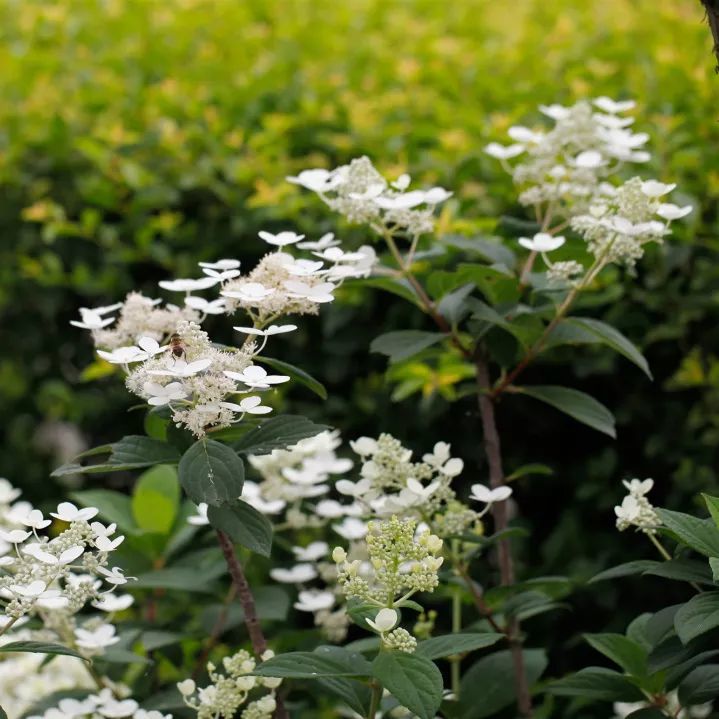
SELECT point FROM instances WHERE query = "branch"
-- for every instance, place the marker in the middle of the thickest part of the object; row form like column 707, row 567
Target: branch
column 252, row 622
column 711, row 8
column 493, row 450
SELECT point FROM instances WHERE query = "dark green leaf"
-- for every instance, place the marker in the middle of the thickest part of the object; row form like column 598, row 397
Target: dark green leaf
column 400, row 287
column 414, row 681
column 683, row 570
column 453, row 306
column 403, row 344
column 211, row 472
column 699, row 534
column 449, row 644
column 491, row 249
column 132, row 452
column 355, row 694
column 638, row 566
column 584, row 330
column 599, row 684
column 244, row 525
column 39, row 648
column 625, row 652
column 297, row 374
column 322, row 662
column 581, row 406
column 698, row 616
column 280, row 432
column 179, row 578
column 700, row 685
column 713, row 507
column 487, row 686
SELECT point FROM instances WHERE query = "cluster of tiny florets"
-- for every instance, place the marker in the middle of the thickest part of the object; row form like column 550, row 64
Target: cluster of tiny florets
column 361, row 194
column 636, row 510
column 400, row 564
column 229, row 690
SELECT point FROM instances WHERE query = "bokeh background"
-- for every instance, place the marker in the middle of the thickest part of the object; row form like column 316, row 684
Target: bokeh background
column 138, row 137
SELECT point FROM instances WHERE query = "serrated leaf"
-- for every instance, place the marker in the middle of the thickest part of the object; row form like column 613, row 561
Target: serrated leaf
column 576, row 404
column 448, row 644
column 699, row 534
column 211, row 472
column 414, row 681
column 698, row 616
column 402, row 344
column 599, row 684
column 244, row 525
column 40, row 648
column 297, row 374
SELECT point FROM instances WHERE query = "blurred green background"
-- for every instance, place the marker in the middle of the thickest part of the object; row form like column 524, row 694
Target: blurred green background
column 137, row 138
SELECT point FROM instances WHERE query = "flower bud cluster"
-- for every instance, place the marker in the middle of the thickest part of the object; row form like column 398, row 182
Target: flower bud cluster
column 228, row 691
column 400, row 563
column 362, row 195
column 636, row 509
column 400, row 640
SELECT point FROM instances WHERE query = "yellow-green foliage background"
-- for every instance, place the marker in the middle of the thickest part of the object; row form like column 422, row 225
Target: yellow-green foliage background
column 137, row 137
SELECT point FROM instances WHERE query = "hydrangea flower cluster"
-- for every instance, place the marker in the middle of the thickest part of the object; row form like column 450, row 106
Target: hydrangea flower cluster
column 102, row 705
column 392, row 484
column 568, row 164
column 197, row 380
column 636, row 509
column 401, row 562
column 229, row 691
column 564, row 174
column 53, row 579
column 26, row 678
column 360, row 193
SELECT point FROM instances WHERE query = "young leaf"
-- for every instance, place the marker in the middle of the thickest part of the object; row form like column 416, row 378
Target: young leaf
column 699, row 534
column 156, row 499
column 403, row 344
column 211, row 472
column 41, row 648
column 322, row 662
column 700, row 685
column 581, row 406
column 597, row 683
column 280, row 432
column 625, row 652
column 448, row 644
column 244, row 525
column 414, row 681
column 698, row 616
column 713, row 507
column 297, row 374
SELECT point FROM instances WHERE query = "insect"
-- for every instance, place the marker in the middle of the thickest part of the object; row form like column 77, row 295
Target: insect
column 176, row 346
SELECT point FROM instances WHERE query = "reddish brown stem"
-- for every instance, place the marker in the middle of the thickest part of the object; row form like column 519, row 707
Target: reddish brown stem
column 493, row 450
column 479, row 602
column 244, row 593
